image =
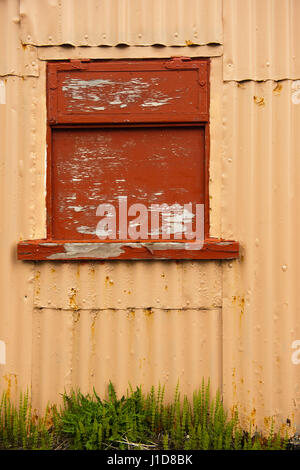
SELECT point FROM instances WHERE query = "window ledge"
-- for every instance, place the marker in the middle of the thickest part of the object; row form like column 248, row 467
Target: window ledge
column 59, row 250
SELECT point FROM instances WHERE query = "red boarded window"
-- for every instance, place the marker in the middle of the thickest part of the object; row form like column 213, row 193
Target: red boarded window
column 127, row 141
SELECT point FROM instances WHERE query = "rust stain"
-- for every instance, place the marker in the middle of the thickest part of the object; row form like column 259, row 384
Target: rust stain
column 253, row 417
column 72, row 299
column 9, row 380
column 148, row 311
column 92, row 271
column 259, row 100
column 267, row 422
column 188, row 42
column 234, row 387
column 108, row 281
column 277, row 89
column 37, row 276
column 76, row 316
column 93, row 324
column 240, row 302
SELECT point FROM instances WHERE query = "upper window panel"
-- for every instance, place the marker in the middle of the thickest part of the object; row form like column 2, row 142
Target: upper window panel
column 148, row 91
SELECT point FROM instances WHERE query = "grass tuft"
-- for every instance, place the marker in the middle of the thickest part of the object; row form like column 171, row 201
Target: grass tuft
column 137, row 421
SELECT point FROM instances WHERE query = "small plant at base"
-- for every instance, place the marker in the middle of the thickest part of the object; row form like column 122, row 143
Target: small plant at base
column 137, row 421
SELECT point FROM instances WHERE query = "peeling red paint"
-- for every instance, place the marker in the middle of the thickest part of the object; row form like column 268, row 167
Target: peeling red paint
column 149, row 166
column 71, row 250
column 125, row 128
column 128, row 91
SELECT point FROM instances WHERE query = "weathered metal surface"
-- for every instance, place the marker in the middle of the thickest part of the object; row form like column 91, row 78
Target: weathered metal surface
column 121, row 285
column 128, row 91
column 88, row 348
column 261, row 196
column 15, row 58
column 22, row 215
column 130, row 52
column 161, row 165
column 113, row 22
column 262, row 39
column 165, row 250
column 242, row 327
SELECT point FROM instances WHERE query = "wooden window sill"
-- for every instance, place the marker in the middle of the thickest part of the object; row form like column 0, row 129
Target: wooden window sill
column 62, row 250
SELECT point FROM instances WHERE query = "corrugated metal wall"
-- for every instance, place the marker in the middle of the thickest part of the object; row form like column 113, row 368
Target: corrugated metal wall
column 81, row 324
column 114, row 22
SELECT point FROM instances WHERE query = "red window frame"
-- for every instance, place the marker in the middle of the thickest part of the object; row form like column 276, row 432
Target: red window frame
column 60, row 115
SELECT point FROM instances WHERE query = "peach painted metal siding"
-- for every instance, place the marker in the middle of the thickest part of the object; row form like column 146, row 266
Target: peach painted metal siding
column 82, row 324
column 115, row 22
column 262, row 39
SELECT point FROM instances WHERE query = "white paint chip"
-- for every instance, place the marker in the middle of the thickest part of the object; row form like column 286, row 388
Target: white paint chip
column 2, row 92
column 296, row 92
column 2, row 352
column 296, row 354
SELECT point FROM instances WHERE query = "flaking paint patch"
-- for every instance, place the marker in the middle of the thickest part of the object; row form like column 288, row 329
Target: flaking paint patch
column 296, row 92
column 2, row 352
column 152, row 103
column 112, row 250
column 109, row 93
column 86, row 230
column 2, row 92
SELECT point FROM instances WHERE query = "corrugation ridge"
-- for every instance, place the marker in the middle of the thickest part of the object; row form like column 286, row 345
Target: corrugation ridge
column 126, row 284
column 16, row 280
column 294, row 252
column 125, row 21
column 259, row 296
column 269, row 51
column 87, row 349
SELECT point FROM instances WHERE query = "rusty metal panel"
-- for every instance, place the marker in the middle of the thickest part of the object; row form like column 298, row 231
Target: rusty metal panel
column 86, row 349
column 261, row 39
column 114, row 22
column 122, row 285
column 261, row 194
